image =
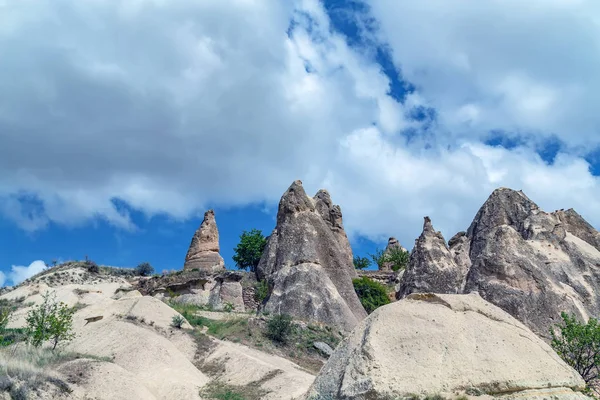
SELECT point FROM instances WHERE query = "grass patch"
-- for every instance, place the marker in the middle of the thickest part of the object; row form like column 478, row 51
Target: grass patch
column 218, row 390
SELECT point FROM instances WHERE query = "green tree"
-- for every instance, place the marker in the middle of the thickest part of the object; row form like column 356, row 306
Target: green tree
column 372, row 294
column 361, row 262
column 50, row 321
column 579, row 345
column 6, row 311
column 144, row 269
column 397, row 257
column 249, row 249
column 279, row 328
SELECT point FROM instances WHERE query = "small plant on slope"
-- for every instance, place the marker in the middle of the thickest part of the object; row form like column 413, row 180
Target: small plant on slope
column 372, row 294
column 177, row 321
column 249, row 251
column 50, row 321
column 261, row 290
column 279, row 328
column 579, row 345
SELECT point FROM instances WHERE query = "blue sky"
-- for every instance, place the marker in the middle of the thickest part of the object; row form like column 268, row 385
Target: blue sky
column 120, row 124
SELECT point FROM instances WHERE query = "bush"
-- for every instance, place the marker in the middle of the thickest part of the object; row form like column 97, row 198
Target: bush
column 228, row 307
column 279, row 328
column 51, row 321
column 144, row 269
column 372, row 294
column 177, row 321
column 249, row 251
column 361, row 262
column 261, row 291
column 92, row 267
column 579, row 345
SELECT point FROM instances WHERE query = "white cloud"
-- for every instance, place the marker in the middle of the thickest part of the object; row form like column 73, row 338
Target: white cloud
column 172, row 106
column 529, row 66
column 18, row 274
column 2, row 278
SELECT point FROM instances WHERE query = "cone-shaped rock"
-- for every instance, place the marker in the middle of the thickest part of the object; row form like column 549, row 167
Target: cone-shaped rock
column 307, row 263
column 204, row 250
column 432, row 267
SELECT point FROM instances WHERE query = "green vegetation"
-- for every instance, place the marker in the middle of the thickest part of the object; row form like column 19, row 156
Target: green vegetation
column 361, row 262
column 91, row 266
column 279, row 328
column 397, row 257
column 249, row 251
column 371, row 294
column 50, row 321
column 261, row 291
column 579, row 345
column 144, row 269
column 218, row 390
column 177, row 321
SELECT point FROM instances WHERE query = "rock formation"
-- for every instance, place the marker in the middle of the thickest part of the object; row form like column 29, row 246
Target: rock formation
column 444, row 345
column 308, row 262
column 530, row 263
column 393, row 244
column 432, row 267
column 203, row 253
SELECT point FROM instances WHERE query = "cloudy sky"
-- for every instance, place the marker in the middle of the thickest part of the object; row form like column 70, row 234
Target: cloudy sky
column 121, row 122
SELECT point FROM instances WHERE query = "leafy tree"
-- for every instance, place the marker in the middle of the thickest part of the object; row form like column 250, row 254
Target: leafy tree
column 279, row 328
column 51, row 321
column 397, row 257
column 372, row 294
column 361, row 262
column 91, row 266
column 144, row 269
column 579, row 345
column 249, row 250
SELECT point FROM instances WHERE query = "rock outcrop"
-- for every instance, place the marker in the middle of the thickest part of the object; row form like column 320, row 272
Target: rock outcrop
column 308, row 262
column 530, row 263
column 444, row 345
column 432, row 267
column 393, row 244
column 203, row 253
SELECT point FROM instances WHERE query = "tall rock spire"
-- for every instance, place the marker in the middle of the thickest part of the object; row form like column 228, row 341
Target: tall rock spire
column 204, row 250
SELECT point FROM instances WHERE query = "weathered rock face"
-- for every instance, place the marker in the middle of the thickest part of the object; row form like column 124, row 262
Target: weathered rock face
column 432, row 266
column 203, row 253
column 530, row 263
column 444, row 344
column 393, row 244
column 307, row 263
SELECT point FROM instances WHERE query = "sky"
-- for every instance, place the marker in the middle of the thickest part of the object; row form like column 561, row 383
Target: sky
column 121, row 123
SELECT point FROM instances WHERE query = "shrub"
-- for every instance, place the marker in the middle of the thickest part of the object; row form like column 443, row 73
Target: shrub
column 371, row 294
column 177, row 321
column 579, row 345
column 279, row 328
column 249, row 250
column 92, row 267
column 144, row 269
column 229, row 307
column 261, row 291
column 361, row 262
column 51, row 321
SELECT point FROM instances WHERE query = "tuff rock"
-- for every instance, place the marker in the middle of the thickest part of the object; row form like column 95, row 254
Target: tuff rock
column 530, row 263
column 308, row 262
column 392, row 244
column 444, row 345
column 203, row 253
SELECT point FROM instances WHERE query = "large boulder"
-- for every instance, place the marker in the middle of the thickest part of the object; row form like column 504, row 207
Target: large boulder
column 447, row 345
column 530, row 263
column 203, row 253
column 432, row 267
column 308, row 264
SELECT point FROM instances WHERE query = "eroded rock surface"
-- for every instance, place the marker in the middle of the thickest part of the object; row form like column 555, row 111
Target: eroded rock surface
column 393, row 244
column 203, row 253
column 531, row 263
column 444, row 344
column 308, row 263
